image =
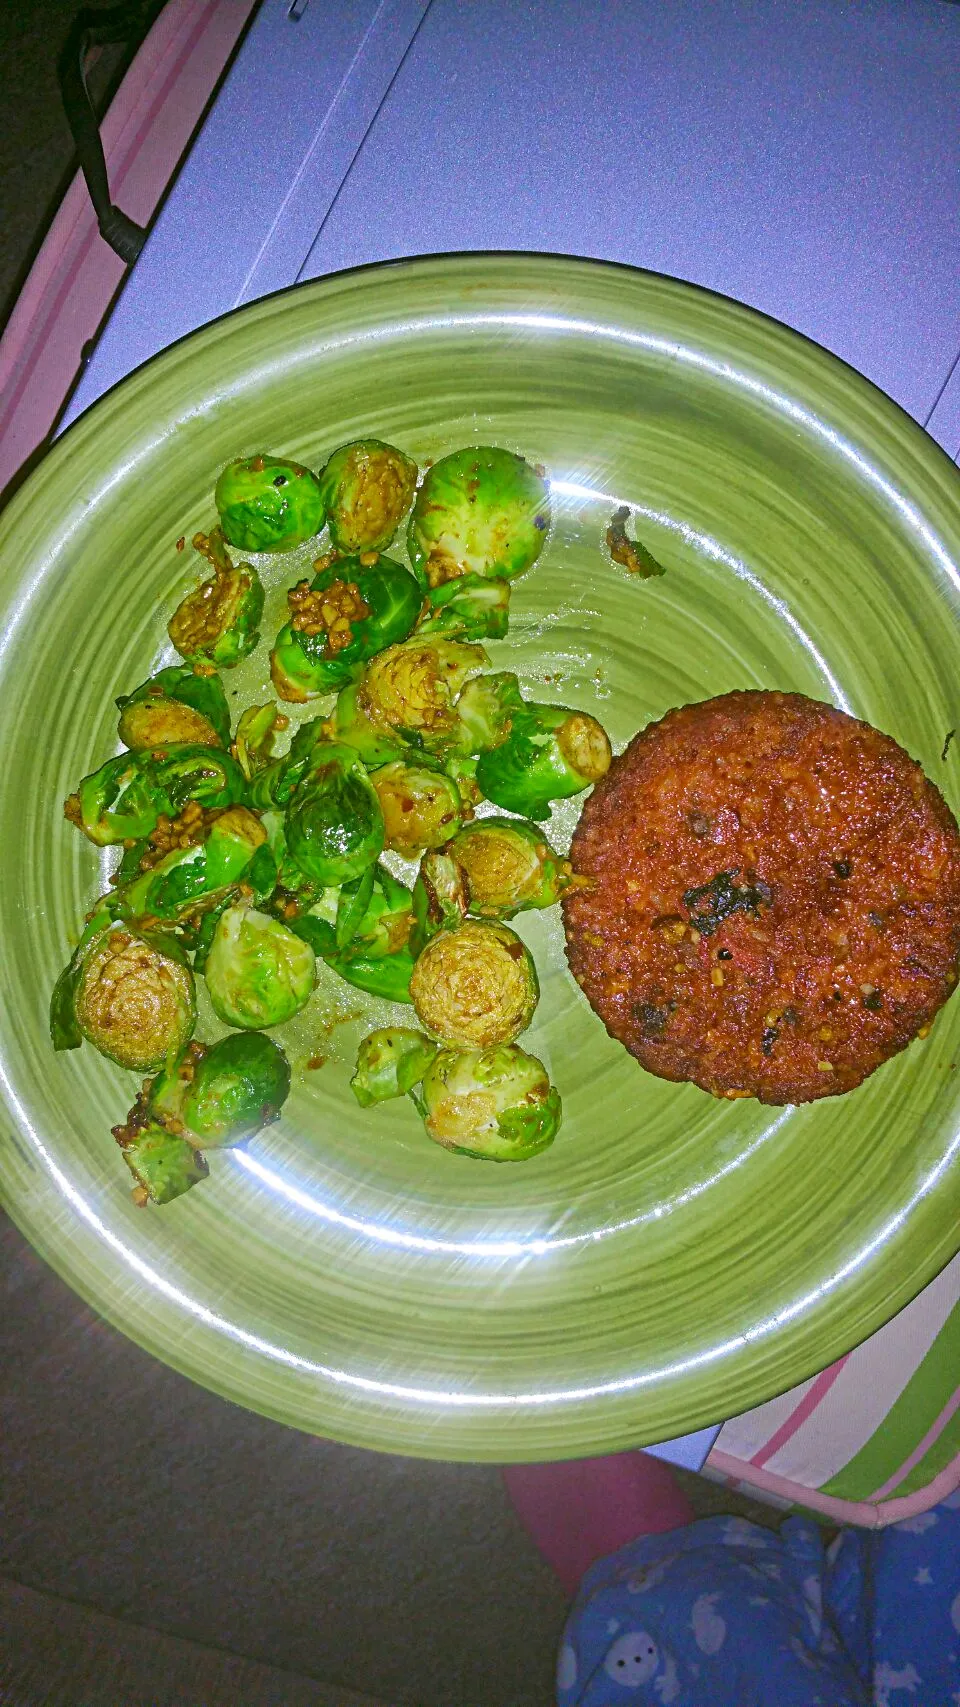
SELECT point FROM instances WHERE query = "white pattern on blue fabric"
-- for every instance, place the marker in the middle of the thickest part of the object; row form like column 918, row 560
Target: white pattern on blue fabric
column 709, row 1629
column 566, row 1667
column 633, row 1660
column 667, row 1685
column 918, row 1525
column 739, row 1532
column 887, row 1677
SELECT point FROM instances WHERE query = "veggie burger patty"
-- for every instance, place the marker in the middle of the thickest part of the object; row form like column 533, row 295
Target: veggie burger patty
column 775, row 899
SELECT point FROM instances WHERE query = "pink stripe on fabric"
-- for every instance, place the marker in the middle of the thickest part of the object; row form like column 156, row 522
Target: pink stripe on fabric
column 93, row 235
column 40, row 350
column 860, row 1512
column 798, row 1417
column 933, row 1434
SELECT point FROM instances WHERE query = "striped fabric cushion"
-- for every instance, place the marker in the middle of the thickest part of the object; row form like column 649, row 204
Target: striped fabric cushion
column 873, row 1439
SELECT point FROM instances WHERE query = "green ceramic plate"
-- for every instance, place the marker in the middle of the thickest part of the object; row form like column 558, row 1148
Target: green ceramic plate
column 672, row 1260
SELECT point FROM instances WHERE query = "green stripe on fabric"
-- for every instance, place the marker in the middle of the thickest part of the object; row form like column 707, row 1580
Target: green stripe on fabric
column 941, row 1453
column 907, row 1421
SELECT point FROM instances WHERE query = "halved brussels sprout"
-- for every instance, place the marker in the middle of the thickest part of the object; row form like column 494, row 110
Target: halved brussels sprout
column 440, row 897
column 550, row 753
column 362, row 932
column 119, row 802
column 258, row 972
column 267, row 503
column 481, row 511
column 496, row 1104
column 217, row 626
column 175, row 707
column 163, row 1164
column 372, row 916
column 133, row 998
column 367, row 487
column 334, row 826
column 188, row 879
column 421, row 806
column 475, row 986
column 410, row 690
column 509, row 866
column 463, row 769
column 221, row 1095
column 348, row 612
column 275, row 783
column 352, row 723
column 474, row 607
column 257, row 732
column 123, row 800
column 389, row 1063
column 486, row 710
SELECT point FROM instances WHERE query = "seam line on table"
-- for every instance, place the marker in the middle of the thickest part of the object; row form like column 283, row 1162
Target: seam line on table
column 359, row 148
column 308, row 156
column 928, row 417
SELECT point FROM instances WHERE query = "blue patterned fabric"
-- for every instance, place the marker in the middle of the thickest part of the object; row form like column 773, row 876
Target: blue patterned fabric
column 726, row 1614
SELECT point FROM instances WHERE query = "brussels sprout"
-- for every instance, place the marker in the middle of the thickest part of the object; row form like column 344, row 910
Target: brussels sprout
column 202, row 774
column 367, row 487
column 472, row 608
column 421, row 806
column 257, row 731
column 175, row 707
column 163, row 1164
column 133, row 998
column 352, row 723
column 333, row 825
column 216, row 626
column 463, row 769
column 222, row 1094
column 267, row 503
column 352, row 902
column 389, row 1063
column 293, row 893
column 509, row 866
column 384, row 927
column 116, row 803
column 550, row 753
column 496, row 1104
column 486, row 710
column 368, row 919
column 440, row 898
column 188, row 879
column 363, row 933
column 481, row 511
column 65, row 1033
column 409, row 690
column 258, row 972
column 276, row 782
column 319, row 933
column 475, row 986
column 126, row 797
column 349, row 611
column 388, row 978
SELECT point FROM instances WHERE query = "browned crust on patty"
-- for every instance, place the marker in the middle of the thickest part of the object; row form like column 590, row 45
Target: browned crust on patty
column 826, row 931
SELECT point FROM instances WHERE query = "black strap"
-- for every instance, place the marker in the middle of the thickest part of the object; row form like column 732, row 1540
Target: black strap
column 96, row 28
